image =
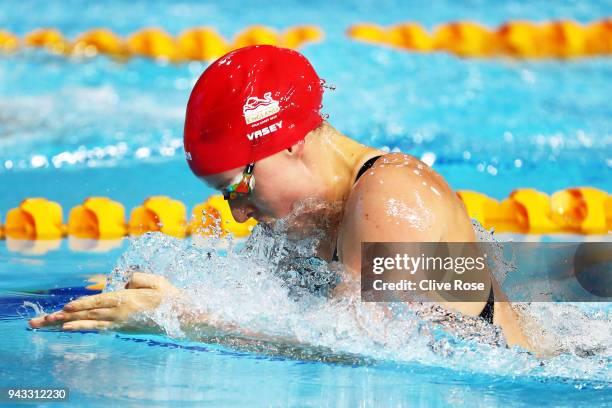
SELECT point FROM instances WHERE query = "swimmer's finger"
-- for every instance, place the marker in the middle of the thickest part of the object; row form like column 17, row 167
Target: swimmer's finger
column 86, row 325
column 93, row 302
column 53, row 318
column 41, row 321
column 36, row 322
column 91, row 314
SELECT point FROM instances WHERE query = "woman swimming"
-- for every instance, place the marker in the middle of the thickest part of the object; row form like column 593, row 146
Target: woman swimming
column 254, row 131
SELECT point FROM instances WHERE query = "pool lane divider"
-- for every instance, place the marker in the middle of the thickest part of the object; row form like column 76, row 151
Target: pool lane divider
column 193, row 44
column 563, row 39
column 581, row 210
column 101, row 218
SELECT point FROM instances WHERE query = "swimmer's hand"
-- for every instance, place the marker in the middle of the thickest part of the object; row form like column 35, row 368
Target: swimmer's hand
column 113, row 310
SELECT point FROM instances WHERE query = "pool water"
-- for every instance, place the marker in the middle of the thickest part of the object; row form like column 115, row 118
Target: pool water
column 132, row 369
column 70, row 129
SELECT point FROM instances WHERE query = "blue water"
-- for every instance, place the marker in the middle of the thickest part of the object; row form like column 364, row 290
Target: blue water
column 71, row 129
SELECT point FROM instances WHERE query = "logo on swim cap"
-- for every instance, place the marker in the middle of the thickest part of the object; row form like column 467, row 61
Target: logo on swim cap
column 256, row 109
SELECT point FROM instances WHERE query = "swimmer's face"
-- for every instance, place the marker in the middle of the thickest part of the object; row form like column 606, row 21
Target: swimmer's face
column 281, row 181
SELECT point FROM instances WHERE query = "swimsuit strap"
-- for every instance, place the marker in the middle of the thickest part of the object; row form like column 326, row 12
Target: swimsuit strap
column 366, row 166
column 487, row 311
column 362, row 170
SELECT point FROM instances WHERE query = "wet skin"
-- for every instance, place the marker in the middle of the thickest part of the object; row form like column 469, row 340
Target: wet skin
column 399, row 199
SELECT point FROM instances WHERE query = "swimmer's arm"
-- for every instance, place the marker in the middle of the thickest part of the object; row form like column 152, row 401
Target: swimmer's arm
column 130, row 310
column 384, row 212
column 381, row 212
column 201, row 326
column 119, row 310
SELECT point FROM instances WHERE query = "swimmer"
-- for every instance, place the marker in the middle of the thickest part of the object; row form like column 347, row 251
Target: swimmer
column 254, row 131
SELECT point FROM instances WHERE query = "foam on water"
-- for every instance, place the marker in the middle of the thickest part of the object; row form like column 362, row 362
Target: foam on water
column 274, row 288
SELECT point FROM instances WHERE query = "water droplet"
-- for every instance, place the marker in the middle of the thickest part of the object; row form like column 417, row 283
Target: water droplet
column 324, row 84
column 429, row 158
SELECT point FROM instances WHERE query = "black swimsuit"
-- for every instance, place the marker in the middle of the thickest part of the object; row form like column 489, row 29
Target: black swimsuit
column 487, row 311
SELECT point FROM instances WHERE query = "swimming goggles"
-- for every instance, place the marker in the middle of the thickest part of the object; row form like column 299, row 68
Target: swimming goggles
column 244, row 185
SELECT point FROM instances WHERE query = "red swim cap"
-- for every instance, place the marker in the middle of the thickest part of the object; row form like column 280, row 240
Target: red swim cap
column 250, row 104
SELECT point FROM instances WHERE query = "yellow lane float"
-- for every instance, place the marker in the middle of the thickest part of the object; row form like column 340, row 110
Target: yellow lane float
column 98, row 224
column 297, row 36
column 509, row 217
column 519, row 39
column 194, row 44
column 97, row 282
column 480, row 206
column 504, row 216
column 581, row 209
column 100, row 41
column 599, row 38
column 533, row 211
column 49, row 39
column 201, row 44
column 371, row 33
column 35, row 219
column 153, row 43
column 8, row 42
column 97, row 218
column 608, row 210
column 562, row 39
column 159, row 213
column 410, row 36
column 214, row 217
column 257, row 35
column 465, row 39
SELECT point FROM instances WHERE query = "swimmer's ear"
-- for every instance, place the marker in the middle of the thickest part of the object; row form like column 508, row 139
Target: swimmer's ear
column 296, row 149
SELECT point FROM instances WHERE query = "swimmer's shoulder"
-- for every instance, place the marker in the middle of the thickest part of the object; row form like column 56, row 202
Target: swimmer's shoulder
column 401, row 198
column 404, row 168
column 458, row 224
column 396, row 186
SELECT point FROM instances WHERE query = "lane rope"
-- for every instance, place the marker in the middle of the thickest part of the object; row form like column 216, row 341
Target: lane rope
column 193, row 44
column 580, row 210
column 563, row 39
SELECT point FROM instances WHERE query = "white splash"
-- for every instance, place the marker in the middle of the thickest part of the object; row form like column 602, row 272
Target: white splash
column 273, row 286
